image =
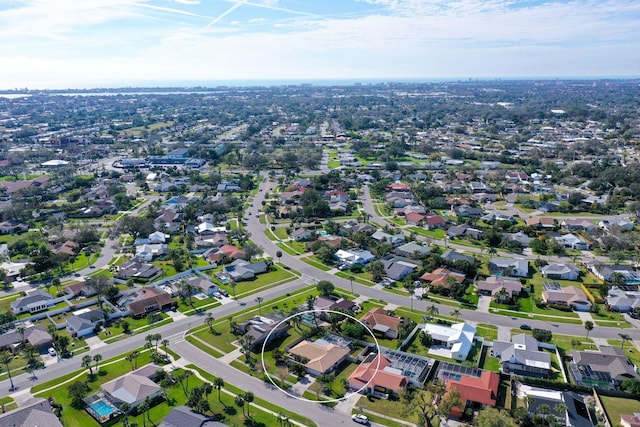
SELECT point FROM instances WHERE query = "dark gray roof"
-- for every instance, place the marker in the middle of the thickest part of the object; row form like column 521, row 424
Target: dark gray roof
column 38, row 413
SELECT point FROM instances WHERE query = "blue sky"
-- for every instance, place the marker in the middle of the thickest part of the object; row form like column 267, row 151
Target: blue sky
column 98, row 43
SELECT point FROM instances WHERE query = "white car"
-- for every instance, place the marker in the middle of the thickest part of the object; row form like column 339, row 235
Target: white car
column 52, row 352
column 360, row 419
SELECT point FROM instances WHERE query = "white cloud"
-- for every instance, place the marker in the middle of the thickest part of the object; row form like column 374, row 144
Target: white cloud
column 405, row 39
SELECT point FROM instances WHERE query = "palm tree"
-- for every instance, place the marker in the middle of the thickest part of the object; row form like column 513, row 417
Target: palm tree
column 5, row 359
column 86, row 363
column 259, row 301
column 165, row 343
column 588, row 325
column 432, row 310
column 209, row 321
column 218, row 383
column 624, row 338
column 124, row 408
column 97, row 358
column 239, row 400
column 351, row 282
column 20, row 330
column 278, row 255
column 248, row 398
column 456, row 314
column 147, row 407
column 233, row 288
column 412, row 292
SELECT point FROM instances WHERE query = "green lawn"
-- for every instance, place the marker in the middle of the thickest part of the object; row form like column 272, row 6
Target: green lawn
column 616, row 406
column 363, row 278
column 7, row 404
column 281, row 233
column 278, row 275
column 392, row 408
column 223, row 338
column 315, row 262
column 438, row 233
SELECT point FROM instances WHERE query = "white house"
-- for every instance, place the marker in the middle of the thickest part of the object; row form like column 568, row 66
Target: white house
column 148, row 252
column 454, row 342
column 560, row 271
column 354, row 257
column 509, row 267
column 572, row 241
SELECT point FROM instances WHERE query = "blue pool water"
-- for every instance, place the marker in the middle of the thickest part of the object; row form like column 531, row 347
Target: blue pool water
column 224, row 280
column 102, row 408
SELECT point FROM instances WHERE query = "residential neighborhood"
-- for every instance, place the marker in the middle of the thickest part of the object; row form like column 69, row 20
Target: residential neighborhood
column 169, row 262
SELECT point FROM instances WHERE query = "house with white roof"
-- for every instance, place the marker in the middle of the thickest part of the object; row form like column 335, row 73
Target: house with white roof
column 560, row 271
column 354, row 257
column 454, row 342
column 509, row 267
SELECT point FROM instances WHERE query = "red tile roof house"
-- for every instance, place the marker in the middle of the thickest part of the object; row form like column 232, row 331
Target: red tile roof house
column 475, row 391
column 382, row 379
column 378, row 320
column 439, row 276
column 230, row 250
column 398, row 186
column 414, row 218
column 432, row 221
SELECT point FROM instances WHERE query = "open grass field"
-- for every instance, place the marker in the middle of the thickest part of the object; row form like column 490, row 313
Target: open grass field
column 616, row 406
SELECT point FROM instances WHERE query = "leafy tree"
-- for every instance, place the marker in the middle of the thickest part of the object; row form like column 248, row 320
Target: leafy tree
column 542, row 335
column 97, row 358
column 425, row 339
column 493, row 417
column 135, row 226
column 278, row 255
column 77, row 391
column 376, row 268
column 99, row 284
column 325, row 287
column 251, row 250
column 126, row 326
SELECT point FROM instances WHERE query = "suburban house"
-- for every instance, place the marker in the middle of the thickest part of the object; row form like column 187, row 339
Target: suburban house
column 301, row 234
column 145, row 300
column 332, row 303
column 568, row 408
column 540, row 222
column 413, row 250
column 440, row 277
column 379, row 321
column 35, row 301
column 84, row 321
column 571, row 296
column 203, row 285
column 477, row 390
column 132, row 388
column 229, row 250
column 375, row 375
column 138, row 270
column 628, row 420
column 211, row 239
column 606, row 368
column 240, row 270
column 509, row 267
column 609, row 273
column 182, row 416
column 571, row 241
column 259, row 327
column 148, row 252
column 522, row 356
column 354, row 257
column 321, row 357
column 76, row 289
column 38, row 412
column 454, row 342
column 391, row 239
column 560, row 271
column 494, row 284
column 34, row 335
column 453, row 256
column 577, row 224
column 397, row 268
column 622, row 301
column 415, row 218
column 13, row 227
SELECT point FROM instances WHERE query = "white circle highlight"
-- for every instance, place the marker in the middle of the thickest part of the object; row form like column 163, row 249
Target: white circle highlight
column 348, row 394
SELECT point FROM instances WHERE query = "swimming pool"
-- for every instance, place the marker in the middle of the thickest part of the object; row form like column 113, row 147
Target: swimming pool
column 102, row 409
